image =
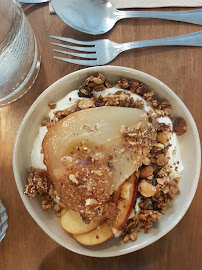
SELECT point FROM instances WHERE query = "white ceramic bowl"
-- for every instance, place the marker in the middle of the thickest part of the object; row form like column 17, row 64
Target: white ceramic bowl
column 190, row 153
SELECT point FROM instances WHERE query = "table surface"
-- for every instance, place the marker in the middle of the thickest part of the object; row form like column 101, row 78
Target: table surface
column 26, row 246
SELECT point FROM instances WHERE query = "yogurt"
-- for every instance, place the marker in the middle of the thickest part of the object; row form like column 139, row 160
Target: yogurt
column 70, row 99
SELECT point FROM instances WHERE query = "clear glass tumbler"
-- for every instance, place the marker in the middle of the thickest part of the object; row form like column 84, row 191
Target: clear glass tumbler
column 19, row 55
column 3, row 221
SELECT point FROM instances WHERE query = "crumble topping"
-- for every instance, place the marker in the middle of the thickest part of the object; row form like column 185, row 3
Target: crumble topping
column 87, row 178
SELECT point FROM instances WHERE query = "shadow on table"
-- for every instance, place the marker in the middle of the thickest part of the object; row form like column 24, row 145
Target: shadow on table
column 29, row 8
column 61, row 258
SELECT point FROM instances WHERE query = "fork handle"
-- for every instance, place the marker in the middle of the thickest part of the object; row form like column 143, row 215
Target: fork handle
column 189, row 16
column 193, row 39
column 33, row 1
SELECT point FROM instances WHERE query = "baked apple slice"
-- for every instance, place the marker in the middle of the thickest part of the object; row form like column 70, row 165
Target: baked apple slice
column 98, row 236
column 126, row 198
column 73, row 223
column 125, row 202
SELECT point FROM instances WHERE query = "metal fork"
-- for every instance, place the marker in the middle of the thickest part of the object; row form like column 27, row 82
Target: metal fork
column 103, row 51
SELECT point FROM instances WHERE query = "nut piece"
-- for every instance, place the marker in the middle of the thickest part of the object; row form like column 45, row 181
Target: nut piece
column 73, row 179
column 161, row 137
column 137, row 87
column 45, row 121
column 161, row 160
column 97, row 80
column 179, row 126
column 86, row 103
column 123, row 83
column 52, row 106
column 146, row 161
column 132, row 214
column 161, row 180
column 99, row 87
column 85, row 91
column 115, row 231
column 146, row 189
column 146, row 171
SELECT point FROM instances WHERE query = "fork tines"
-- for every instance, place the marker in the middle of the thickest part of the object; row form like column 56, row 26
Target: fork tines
column 88, row 57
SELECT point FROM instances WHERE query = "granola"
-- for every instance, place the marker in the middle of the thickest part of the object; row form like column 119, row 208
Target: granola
column 157, row 184
column 39, row 184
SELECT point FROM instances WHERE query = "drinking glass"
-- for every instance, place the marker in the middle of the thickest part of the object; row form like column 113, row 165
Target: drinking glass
column 19, row 55
column 3, row 221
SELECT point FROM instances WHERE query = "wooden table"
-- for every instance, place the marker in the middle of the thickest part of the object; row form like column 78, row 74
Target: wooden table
column 26, row 246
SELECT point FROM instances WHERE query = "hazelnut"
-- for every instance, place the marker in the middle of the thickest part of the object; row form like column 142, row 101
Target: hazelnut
column 146, row 171
column 162, row 138
column 146, row 189
column 179, row 126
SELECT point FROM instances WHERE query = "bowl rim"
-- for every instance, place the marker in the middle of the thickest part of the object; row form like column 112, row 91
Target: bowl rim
column 196, row 177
